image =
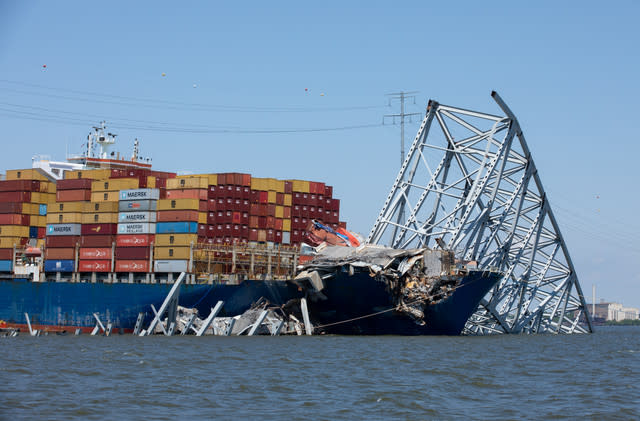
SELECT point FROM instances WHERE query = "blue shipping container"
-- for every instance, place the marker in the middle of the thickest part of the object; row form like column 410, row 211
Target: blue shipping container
column 43, row 210
column 176, row 227
column 58, row 266
column 5, row 265
column 33, row 232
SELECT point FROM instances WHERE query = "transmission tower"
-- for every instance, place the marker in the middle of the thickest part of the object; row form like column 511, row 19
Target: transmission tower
column 401, row 97
column 473, row 186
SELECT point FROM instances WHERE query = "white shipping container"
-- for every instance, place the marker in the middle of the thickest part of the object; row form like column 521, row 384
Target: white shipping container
column 64, row 229
column 137, row 217
column 170, row 266
column 137, row 228
column 140, row 194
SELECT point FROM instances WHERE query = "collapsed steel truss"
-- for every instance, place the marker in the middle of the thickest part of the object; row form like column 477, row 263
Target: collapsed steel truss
column 484, row 200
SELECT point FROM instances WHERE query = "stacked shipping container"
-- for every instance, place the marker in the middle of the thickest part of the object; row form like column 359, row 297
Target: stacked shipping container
column 136, row 229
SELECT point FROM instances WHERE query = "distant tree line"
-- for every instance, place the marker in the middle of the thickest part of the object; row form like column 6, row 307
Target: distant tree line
column 626, row 322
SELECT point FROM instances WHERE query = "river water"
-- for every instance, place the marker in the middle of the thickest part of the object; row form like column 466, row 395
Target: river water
column 322, row 377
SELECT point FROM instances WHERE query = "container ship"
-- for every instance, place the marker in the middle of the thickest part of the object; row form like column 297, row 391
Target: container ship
column 108, row 235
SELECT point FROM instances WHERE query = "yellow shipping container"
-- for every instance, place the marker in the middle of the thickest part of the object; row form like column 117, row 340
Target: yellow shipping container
column 279, row 211
column 202, row 217
column 95, row 207
column 259, row 183
column 301, row 186
column 14, row 231
column 212, row 179
column 43, row 198
column 66, row 207
column 176, row 239
column 100, row 218
column 92, row 174
column 276, row 185
column 38, row 221
column 188, row 182
column 271, row 197
column 178, row 204
column 151, row 182
column 27, row 174
column 64, row 218
column 9, row 242
column 107, row 196
column 286, row 225
column 31, row 209
column 47, row 187
column 287, row 199
column 115, row 184
column 169, row 253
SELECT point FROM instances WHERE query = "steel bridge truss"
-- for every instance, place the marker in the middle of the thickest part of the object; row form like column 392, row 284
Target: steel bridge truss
column 469, row 183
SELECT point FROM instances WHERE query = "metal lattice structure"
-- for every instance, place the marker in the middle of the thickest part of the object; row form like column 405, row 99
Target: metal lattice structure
column 473, row 185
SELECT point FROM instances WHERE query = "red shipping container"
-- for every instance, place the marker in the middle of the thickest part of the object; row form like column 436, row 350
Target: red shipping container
column 262, row 222
column 213, row 205
column 277, row 224
column 328, row 191
column 53, row 253
column 132, row 253
column 211, row 231
column 271, row 235
column 19, row 185
column 280, row 198
column 132, row 266
column 42, row 232
column 6, row 254
column 212, row 192
column 134, row 240
column 254, row 209
column 99, row 229
column 342, row 224
column 15, row 196
column 204, row 206
column 74, row 184
column 202, row 230
column 94, row 266
column 253, row 234
column 161, row 183
column 245, row 218
column 288, row 187
column 73, row 195
column 263, row 197
column 95, row 253
column 271, row 221
column 286, row 212
column 10, row 207
column 254, row 221
column 254, row 196
column 236, row 218
column 211, row 218
column 278, row 236
column 177, row 215
column 61, row 241
column 14, row 219
column 97, row 240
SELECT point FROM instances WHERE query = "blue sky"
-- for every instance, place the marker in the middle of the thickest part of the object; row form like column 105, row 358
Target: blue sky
column 246, row 82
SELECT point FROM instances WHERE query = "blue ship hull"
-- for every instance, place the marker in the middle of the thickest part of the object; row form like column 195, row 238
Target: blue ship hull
column 358, row 304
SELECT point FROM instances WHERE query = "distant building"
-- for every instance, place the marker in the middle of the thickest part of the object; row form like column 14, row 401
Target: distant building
column 613, row 311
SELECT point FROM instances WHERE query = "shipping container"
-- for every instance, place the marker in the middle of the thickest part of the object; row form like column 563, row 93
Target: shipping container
column 132, row 253
column 170, row 266
column 286, row 237
column 63, row 229
column 94, row 265
column 100, row 218
column 177, row 227
column 166, row 253
column 179, row 215
column 14, row 231
column 6, row 254
column 15, row 196
column 124, row 217
column 178, row 204
column 132, row 266
column 137, row 228
column 59, row 266
column 42, row 209
column 33, row 232
column 95, row 253
column 26, row 174
column 96, row 240
column 66, row 207
column 188, row 182
column 134, row 240
column 14, row 219
column 99, row 229
column 100, row 174
column 140, row 194
column 73, row 195
column 64, row 218
column 74, row 184
column 176, row 239
column 103, row 207
column 106, row 196
column 19, row 185
column 137, row 205
column 114, row 184
column 200, row 194
column 6, row 265
column 67, row 241
column 43, row 198
column 51, row 253
column 10, row 242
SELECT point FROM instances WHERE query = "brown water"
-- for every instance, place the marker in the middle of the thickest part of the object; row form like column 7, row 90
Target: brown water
column 334, row 377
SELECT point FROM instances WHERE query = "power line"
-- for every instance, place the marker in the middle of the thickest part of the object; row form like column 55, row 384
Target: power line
column 401, row 96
